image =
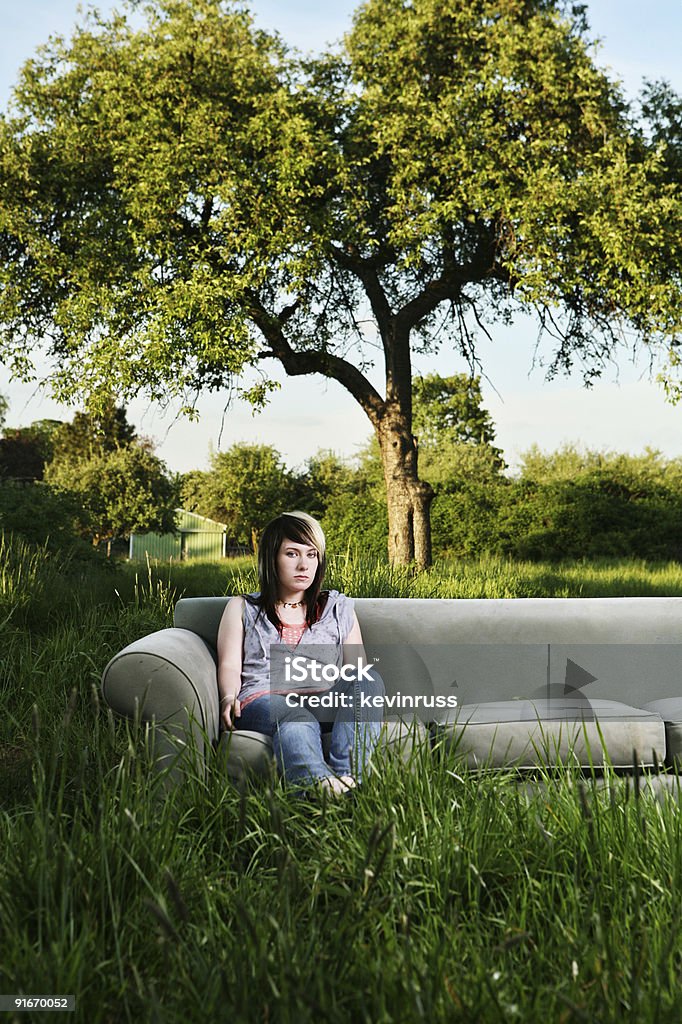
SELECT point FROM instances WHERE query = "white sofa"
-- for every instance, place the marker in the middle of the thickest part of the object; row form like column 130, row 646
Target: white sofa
column 536, row 681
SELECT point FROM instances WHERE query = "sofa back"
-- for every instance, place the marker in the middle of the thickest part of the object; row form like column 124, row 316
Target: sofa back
column 625, row 649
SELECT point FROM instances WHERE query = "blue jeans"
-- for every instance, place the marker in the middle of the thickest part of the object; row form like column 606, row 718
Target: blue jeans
column 297, row 731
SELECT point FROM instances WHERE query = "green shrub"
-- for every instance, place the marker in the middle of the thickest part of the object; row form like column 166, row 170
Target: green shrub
column 595, row 515
column 38, row 513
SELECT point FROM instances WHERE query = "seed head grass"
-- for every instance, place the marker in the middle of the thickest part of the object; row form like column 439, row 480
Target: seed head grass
column 436, row 893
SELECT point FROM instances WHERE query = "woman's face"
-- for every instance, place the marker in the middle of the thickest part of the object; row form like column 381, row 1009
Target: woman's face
column 296, row 565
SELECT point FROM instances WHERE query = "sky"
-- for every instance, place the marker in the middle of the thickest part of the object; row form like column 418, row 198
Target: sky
column 624, row 411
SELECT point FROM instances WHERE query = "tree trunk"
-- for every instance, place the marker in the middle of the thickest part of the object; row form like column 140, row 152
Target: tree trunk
column 408, row 498
column 422, row 497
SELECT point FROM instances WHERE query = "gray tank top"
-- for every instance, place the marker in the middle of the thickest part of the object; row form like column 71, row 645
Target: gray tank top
column 330, row 631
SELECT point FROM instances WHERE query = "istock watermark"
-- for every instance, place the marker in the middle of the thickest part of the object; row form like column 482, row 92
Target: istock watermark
column 300, row 669
column 442, row 683
column 334, row 684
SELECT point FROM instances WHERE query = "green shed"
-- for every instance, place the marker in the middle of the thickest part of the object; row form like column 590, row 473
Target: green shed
column 197, row 537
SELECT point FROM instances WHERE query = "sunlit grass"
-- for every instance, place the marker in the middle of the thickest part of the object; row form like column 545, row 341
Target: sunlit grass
column 436, row 895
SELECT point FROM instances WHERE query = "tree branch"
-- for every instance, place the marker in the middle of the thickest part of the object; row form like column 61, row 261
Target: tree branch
column 314, row 361
column 366, row 272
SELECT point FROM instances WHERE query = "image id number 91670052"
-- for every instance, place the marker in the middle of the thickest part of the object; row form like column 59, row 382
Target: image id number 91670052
column 24, row 1003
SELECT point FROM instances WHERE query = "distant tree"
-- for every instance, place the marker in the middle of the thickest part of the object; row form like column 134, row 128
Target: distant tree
column 121, row 491
column 584, row 504
column 569, row 462
column 458, row 458
column 4, row 406
column 245, row 487
column 194, row 495
column 38, row 513
column 355, row 515
column 90, row 434
column 469, row 484
column 120, row 484
column 324, row 476
column 25, row 451
column 450, row 408
column 20, row 457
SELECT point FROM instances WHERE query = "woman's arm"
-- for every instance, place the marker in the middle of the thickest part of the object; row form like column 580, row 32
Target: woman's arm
column 230, row 647
column 353, row 646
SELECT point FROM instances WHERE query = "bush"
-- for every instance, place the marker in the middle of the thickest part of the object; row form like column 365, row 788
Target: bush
column 356, row 522
column 595, row 515
column 464, row 522
column 38, row 513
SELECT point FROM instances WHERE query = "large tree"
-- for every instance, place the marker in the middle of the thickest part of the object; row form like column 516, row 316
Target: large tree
column 182, row 201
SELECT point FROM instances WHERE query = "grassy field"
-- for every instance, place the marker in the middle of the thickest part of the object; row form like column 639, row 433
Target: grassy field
column 436, row 895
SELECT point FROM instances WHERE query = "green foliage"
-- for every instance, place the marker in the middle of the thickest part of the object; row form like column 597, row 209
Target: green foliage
column 145, row 142
column 185, row 200
column 90, row 434
column 569, row 462
column 24, row 451
column 118, row 492
column 495, row 119
column 356, row 522
column 355, row 514
column 245, row 487
column 572, row 504
column 662, row 109
column 450, row 409
column 563, row 504
column 325, row 477
column 457, row 149
column 458, row 458
column 21, row 457
column 465, row 521
column 38, row 513
column 107, row 478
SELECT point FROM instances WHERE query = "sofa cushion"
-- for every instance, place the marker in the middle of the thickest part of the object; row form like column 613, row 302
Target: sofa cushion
column 525, row 734
column 242, row 752
column 670, row 710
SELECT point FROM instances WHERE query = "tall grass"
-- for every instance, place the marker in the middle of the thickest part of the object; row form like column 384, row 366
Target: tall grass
column 437, row 894
column 487, row 577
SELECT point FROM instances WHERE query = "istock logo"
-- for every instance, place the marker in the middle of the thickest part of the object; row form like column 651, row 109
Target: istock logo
column 301, row 670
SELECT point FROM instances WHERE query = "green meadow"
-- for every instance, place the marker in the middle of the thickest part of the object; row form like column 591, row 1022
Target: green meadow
column 436, row 894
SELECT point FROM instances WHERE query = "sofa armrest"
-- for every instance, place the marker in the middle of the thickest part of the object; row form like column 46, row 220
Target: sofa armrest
column 169, row 678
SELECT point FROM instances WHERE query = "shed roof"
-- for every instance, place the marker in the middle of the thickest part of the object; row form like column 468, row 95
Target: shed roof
column 192, row 520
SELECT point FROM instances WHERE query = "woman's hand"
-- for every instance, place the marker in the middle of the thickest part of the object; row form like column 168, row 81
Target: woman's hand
column 230, row 641
column 230, row 709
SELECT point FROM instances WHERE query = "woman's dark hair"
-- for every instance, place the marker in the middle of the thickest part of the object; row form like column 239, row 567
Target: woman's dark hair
column 302, row 529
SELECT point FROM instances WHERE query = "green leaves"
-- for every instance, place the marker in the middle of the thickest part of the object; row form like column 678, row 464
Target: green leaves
column 184, row 199
column 124, row 213
column 157, row 178
column 246, row 486
column 118, row 483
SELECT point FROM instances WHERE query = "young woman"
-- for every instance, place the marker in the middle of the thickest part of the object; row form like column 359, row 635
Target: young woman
column 291, row 612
